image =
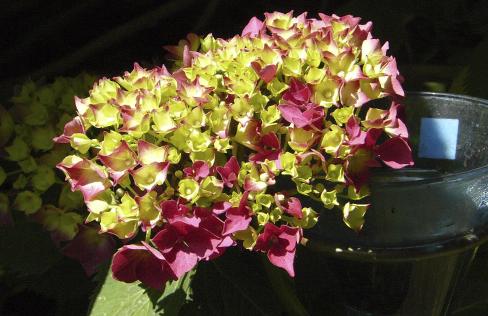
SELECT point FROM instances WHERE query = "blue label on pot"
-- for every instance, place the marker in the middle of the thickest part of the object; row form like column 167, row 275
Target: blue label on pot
column 438, row 138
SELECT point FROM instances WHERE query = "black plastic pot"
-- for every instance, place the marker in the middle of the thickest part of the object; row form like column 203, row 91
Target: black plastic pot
column 425, row 223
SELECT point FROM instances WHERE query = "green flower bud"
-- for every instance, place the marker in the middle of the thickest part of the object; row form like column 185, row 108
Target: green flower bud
column 28, row 202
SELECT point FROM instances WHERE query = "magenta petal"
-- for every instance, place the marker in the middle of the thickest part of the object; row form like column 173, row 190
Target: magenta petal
column 253, row 27
column 236, row 220
column 294, row 207
column 136, row 262
column 298, row 93
column 268, row 73
column 199, row 170
column 72, row 127
column 221, row 207
column 352, row 127
column 181, row 260
column 395, row 153
column 283, row 259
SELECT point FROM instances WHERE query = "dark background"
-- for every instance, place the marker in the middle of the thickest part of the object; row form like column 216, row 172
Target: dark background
column 439, row 44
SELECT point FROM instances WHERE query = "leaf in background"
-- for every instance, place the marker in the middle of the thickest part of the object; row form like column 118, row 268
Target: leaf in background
column 131, row 299
column 26, row 248
column 477, row 72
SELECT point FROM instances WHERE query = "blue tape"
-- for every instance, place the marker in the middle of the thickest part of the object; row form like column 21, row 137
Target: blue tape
column 438, row 138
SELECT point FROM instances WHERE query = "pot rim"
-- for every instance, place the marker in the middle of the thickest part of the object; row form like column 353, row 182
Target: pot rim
column 448, row 177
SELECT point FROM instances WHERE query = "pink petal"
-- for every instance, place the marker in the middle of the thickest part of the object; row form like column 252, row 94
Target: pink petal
column 283, row 259
column 395, row 153
column 253, row 27
column 72, row 127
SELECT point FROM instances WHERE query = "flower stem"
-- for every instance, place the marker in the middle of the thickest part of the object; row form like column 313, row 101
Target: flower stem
column 148, row 234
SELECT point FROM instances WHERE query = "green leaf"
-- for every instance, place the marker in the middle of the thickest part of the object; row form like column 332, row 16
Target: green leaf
column 132, row 299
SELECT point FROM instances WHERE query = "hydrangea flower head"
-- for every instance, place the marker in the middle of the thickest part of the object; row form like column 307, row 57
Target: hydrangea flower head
column 227, row 148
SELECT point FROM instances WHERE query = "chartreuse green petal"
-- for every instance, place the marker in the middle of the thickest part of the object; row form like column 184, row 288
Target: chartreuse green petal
column 292, row 67
column 309, row 219
column 354, row 215
column 198, row 141
column 314, row 75
column 207, row 155
column 335, row 173
column 103, row 91
column 128, row 208
column 357, row 195
column 174, row 156
column 275, row 214
column 303, row 188
column 81, row 142
column 189, row 189
column 248, row 237
column 264, row 200
column 109, row 222
column 342, row 115
column 163, row 123
column 222, row 144
column 110, row 142
column 332, row 139
column 288, row 163
column 270, row 115
column 329, row 198
column 18, row 150
column 276, row 87
column 148, row 212
column 211, row 187
column 301, row 139
column 28, row 202
column 262, row 218
column 101, row 203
